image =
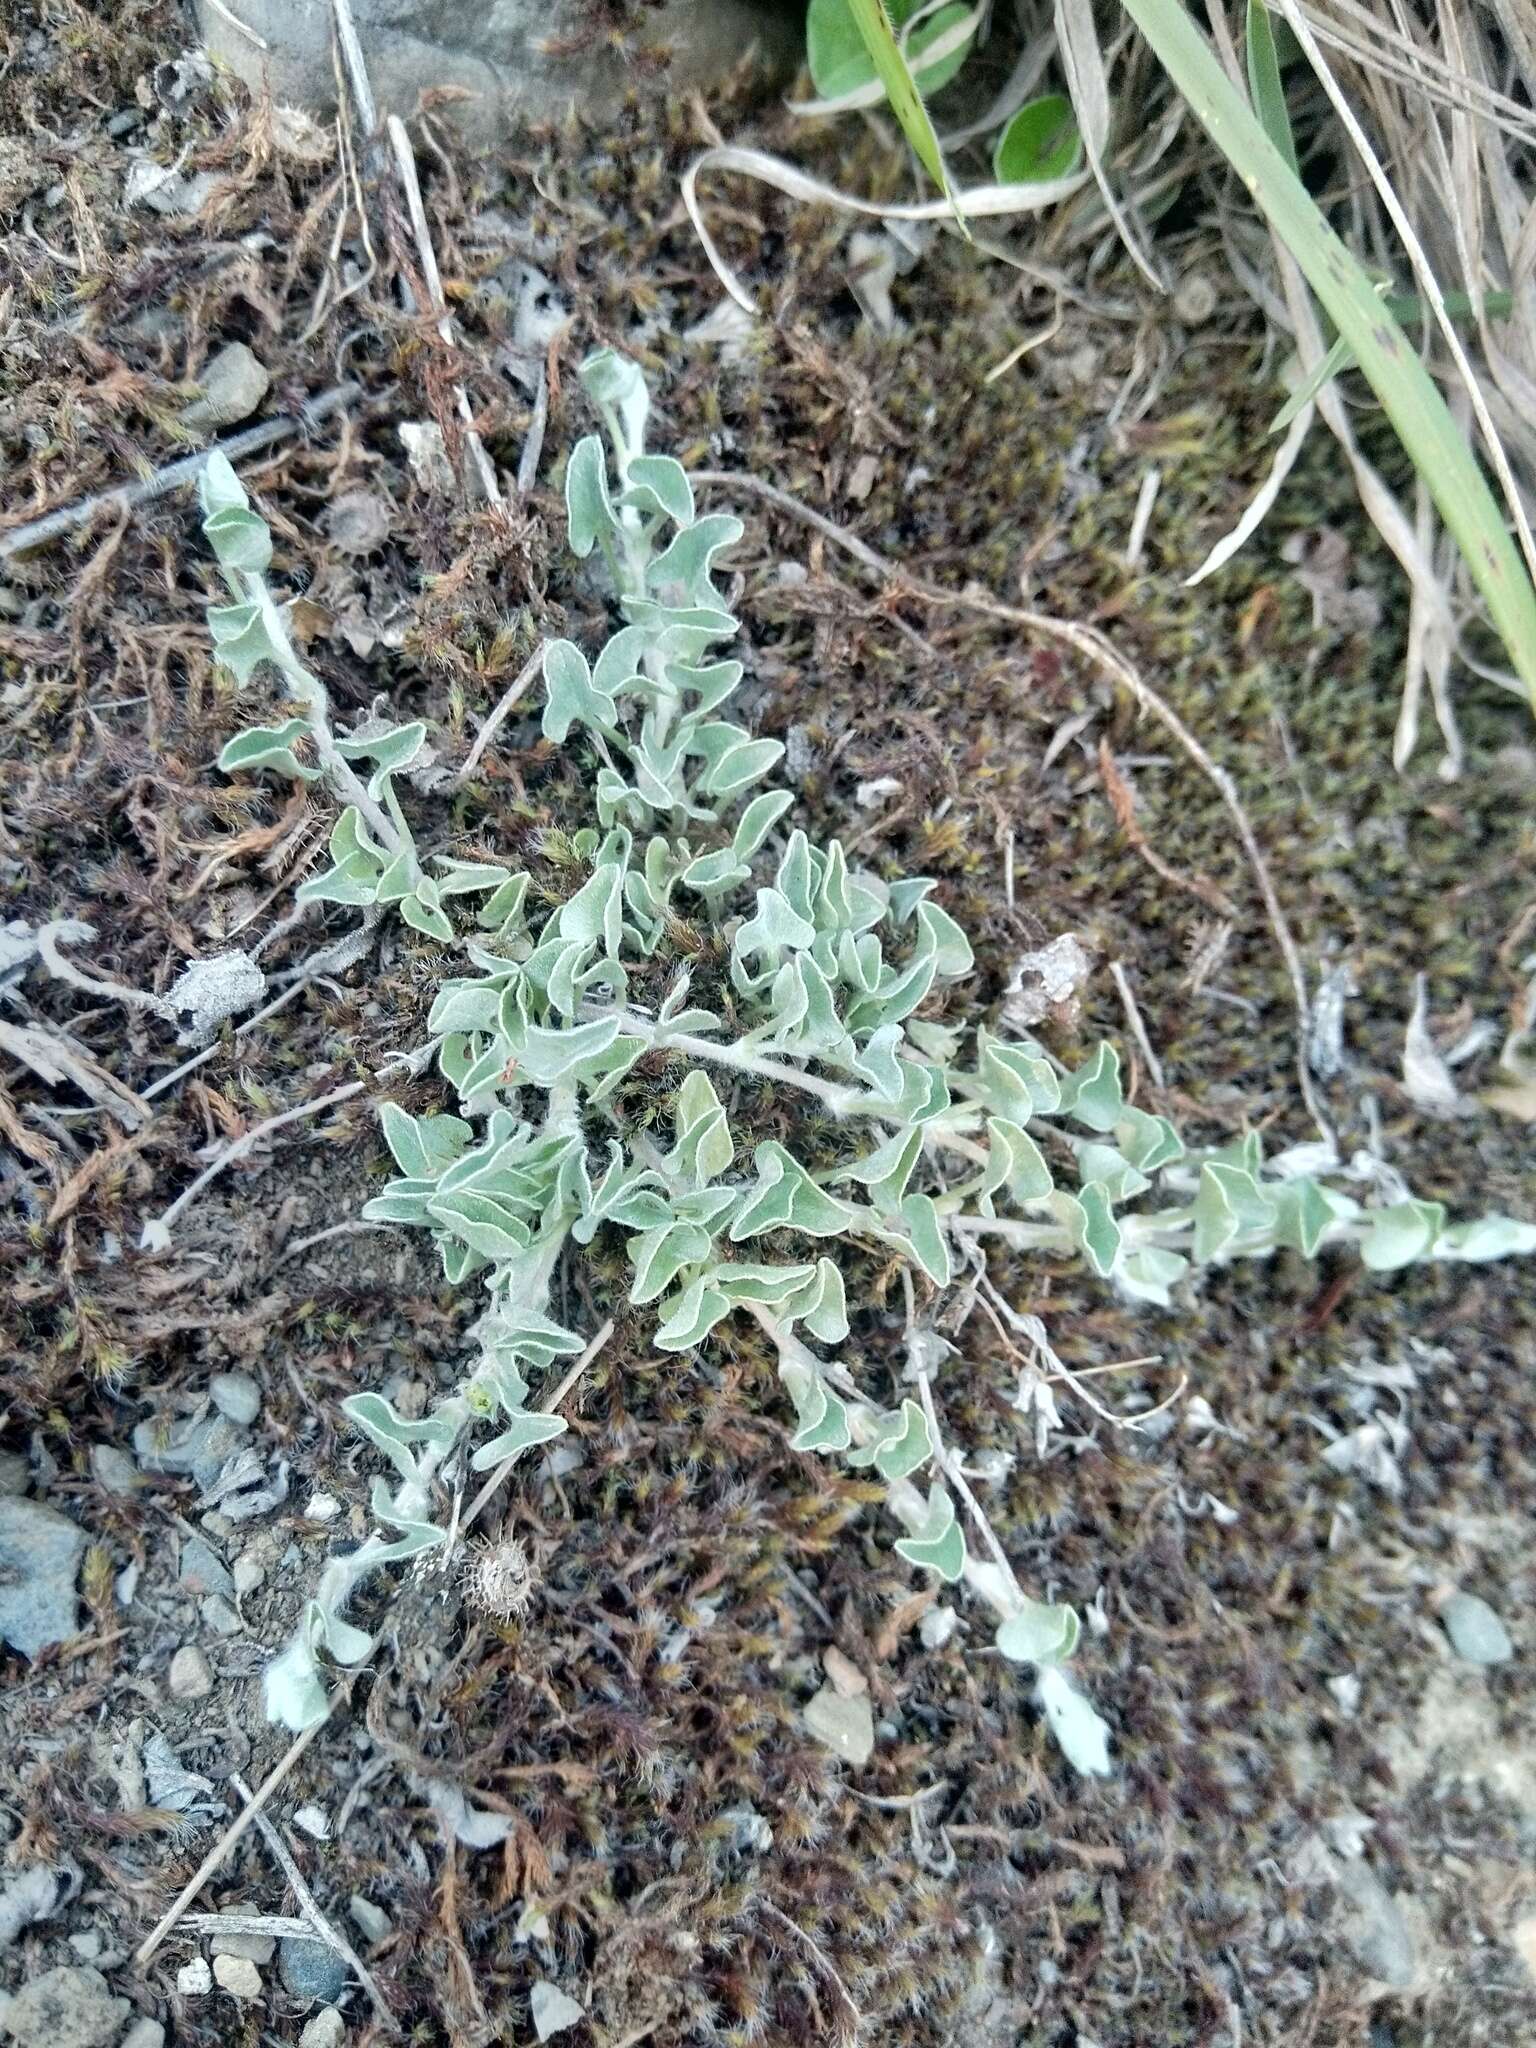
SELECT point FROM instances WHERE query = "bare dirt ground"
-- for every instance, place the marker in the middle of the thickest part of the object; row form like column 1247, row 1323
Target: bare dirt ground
column 1322, row 1829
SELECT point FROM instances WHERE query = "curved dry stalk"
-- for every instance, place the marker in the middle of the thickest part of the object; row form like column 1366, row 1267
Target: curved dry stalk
column 978, row 202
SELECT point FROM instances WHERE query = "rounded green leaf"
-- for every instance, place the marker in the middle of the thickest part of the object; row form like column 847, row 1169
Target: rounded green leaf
column 1040, row 143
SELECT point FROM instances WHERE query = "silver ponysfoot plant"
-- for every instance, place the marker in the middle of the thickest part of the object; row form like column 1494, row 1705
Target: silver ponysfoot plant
column 940, row 1136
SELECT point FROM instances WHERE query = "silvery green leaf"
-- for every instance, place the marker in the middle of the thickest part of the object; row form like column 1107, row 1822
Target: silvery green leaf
column 327, row 1630
column 596, row 912
column 886, row 1170
column 547, row 1056
column 389, row 751
column 939, row 1041
column 240, row 539
column 951, row 948
column 1151, row 1273
column 739, row 767
column 240, row 639
column 1091, row 1225
column 712, row 872
column 1489, row 1237
column 397, row 880
column 706, row 1206
column 616, row 386
column 906, row 895
column 897, row 997
column 269, row 746
column 799, row 876
column 904, row 1443
column 775, row 926
column 488, row 1226
column 1396, row 1236
column 820, row 1304
column 472, row 877
column 1038, row 1634
column 617, row 669
column 589, row 515
column 785, row 1196
column 659, row 483
column 1082, row 1734
column 464, row 1006
column 1148, row 1142
column 1018, row 1161
column 1245, row 1153
column 680, row 632
column 685, row 566
column 422, row 1145
column 402, row 1201
column 770, row 1285
column 1229, row 1202
column 1114, row 1173
column 1092, row 1095
column 658, row 1256
column 393, row 1434
column 415, row 1535
column 1017, row 1080
column 218, row 488
column 524, row 1431
column 1303, row 1214
column 293, row 1691
column 336, row 885
column 570, row 696
column 710, row 685
column 502, row 911
column 703, row 1149
column 694, row 1313
column 424, row 917
column 939, row 1544
column 822, row 1416
column 925, row 1233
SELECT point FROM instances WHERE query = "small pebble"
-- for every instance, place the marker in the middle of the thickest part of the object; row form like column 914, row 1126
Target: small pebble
column 322, row 1507
column 114, row 1469
column 256, row 1948
column 847, row 1679
column 371, row 1921
column 323, row 2029
column 553, row 2010
column 144, row 2034
column 219, row 1616
column 845, row 1726
column 194, row 1978
column 86, row 1944
column 190, row 1677
column 1476, row 1632
column 236, row 1395
column 237, row 1975
column 202, row 1570
column 248, row 1576
column 314, row 1821
column 312, row 1969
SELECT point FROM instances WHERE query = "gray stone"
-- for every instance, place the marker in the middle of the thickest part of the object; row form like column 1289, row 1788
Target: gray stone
column 256, row 1948
column 371, row 1921
column 517, row 59
column 237, row 1975
column 144, row 2034
column 15, row 1472
column 236, row 1395
column 200, row 1448
column 27, row 1896
column 1374, row 1926
column 190, row 1677
column 114, row 1469
column 220, row 1617
column 40, row 1552
column 844, row 1725
column 65, row 2008
column 324, row 2029
column 232, row 384
column 203, row 1571
column 312, row 1969
column 553, row 2011
column 1476, row 1632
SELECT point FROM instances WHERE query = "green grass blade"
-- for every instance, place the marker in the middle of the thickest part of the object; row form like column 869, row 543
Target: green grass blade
column 1404, row 307
column 895, row 74
column 1391, row 366
column 1265, row 85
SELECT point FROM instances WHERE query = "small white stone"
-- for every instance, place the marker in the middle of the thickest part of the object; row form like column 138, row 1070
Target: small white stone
column 314, row 1821
column 248, row 1575
column 190, row 1678
column 194, row 1978
column 237, row 1975
column 236, row 1395
column 324, row 2029
column 553, row 2010
column 322, row 1507
column 937, row 1626
column 845, row 1726
column 371, row 1921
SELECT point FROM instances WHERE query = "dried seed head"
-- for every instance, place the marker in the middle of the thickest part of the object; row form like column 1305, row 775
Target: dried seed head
column 498, row 1578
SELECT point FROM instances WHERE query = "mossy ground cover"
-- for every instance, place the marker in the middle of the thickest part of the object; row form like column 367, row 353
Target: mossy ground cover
column 692, row 1569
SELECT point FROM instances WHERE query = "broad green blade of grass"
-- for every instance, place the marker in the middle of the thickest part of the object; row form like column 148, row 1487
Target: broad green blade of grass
column 895, row 75
column 1391, row 366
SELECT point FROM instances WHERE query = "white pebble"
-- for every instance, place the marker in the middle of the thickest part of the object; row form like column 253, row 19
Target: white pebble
column 237, row 1975
column 190, row 1677
column 194, row 1978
